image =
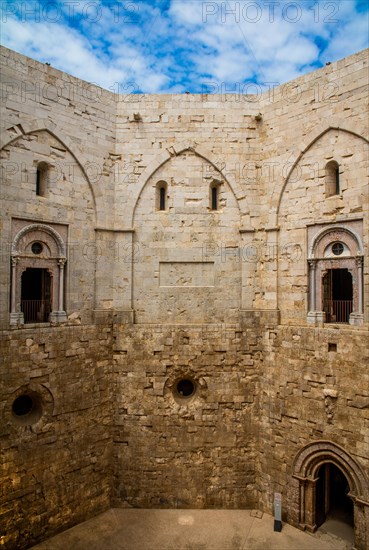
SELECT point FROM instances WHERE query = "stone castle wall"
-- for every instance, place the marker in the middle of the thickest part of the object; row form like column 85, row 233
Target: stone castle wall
column 56, row 472
column 218, row 297
column 186, row 453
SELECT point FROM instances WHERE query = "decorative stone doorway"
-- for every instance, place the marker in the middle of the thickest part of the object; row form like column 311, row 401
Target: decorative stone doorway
column 36, row 296
column 335, row 274
column 37, row 275
column 325, row 478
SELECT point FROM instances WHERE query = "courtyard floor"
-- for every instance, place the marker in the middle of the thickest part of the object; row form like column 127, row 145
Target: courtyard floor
column 137, row 529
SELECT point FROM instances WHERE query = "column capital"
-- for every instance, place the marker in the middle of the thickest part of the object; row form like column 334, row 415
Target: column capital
column 62, row 262
column 14, row 260
column 359, row 261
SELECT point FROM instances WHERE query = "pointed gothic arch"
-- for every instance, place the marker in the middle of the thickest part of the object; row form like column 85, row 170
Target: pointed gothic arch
column 207, row 156
column 298, row 154
column 20, row 131
column 301, row 500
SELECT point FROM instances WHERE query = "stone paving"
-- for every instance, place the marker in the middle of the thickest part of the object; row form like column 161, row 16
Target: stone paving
column 138, row 529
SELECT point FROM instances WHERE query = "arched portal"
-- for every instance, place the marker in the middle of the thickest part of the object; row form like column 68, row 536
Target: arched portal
column 325, row 481
column 334, row 507
column 37, row 275
column 336, row 276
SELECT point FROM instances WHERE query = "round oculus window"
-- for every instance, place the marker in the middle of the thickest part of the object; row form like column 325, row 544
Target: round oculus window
column 27, row 409
column 22, row 405
column 185, row 387
column 37, row 248
column 337, row 249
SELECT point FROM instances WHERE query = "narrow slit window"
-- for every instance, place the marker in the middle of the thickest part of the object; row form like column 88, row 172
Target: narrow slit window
column 162, row 193
column 38, row 181
column 332, row 179
column 337, row 179
column 214, row 198
column 161, row 196
column 41, row 179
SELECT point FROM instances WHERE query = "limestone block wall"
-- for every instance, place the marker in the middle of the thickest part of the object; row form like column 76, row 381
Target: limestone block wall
column 55, row 469
column 153, row 129
column 194, row 452
column 68, row 200
column 186, row 266
column 310, row 394
column 190, row 142
column 51, row 117
column 183, row 293
column 307, row 123
column 105, row 151
column 306, row 192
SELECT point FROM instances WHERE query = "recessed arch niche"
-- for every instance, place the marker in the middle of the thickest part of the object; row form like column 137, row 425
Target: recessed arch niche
column 188, row 256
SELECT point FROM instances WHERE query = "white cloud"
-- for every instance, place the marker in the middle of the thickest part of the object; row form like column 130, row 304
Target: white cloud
column 191, row 42
column 349, row 39
column 72, row 53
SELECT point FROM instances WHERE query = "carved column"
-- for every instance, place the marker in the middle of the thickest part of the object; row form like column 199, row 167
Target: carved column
column 14, row 266
column 359, row 264
column 310, row 505
column 16, row 317
column 61, row 263
column 312, row 283
column 357, row 317
column 60, row 315
column 313, row 315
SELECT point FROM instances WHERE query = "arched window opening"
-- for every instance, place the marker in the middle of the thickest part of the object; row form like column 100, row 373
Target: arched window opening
column 337, row 180
column 332, row 179
column 161, row 196
column 214, row 196
column 337, row 295
column 41, row 179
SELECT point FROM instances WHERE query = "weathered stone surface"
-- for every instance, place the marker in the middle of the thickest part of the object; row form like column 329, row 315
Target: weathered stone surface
column 143, row 297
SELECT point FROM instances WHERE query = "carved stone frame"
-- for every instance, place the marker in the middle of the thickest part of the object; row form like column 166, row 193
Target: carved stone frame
column 52, row 258
column 301, row 500
column 319, row 264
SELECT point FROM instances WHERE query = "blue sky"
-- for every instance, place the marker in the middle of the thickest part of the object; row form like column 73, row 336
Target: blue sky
column 173, row 46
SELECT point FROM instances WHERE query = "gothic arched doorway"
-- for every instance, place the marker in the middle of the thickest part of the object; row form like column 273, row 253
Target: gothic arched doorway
column 328, row 483
column 334, row 507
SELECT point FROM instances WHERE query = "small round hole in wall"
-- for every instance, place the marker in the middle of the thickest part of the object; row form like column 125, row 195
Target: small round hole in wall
column 27, row 408
column 37, row 248
column 22, row 405
column 185, row 387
